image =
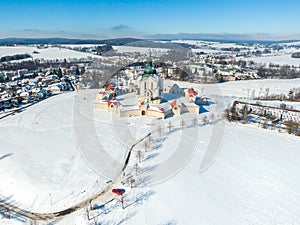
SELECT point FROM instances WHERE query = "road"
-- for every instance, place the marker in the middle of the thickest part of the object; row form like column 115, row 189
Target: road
column 102, row 196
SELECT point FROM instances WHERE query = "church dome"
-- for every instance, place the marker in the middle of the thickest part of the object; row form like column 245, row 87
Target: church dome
column 149, row 70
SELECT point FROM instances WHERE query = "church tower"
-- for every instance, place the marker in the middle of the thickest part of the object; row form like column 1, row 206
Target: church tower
column 150, row 84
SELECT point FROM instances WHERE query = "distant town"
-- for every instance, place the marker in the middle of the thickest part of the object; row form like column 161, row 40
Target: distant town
column 28, row 78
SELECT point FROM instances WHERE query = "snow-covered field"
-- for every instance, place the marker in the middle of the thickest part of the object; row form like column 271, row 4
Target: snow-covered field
column 241, row 88
column 285, row 59
column 294, row 105
column 45, row 53
column 208, row 51
column 123, row 49
column 253, row 179
column 292, row 43
column 212, row 44
column 215, row 47
column 244, row 88
column 81, row 45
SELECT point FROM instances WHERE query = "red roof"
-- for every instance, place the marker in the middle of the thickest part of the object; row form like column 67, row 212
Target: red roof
column 192, row 92
column 114, row 102
column 173, row 104
column 110, row 87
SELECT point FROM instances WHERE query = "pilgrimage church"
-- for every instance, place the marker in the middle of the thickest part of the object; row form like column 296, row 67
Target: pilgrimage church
column 147, row 98
column 150, row 86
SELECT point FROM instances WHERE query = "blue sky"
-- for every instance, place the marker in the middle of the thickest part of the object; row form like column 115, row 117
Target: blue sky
column 93, row 19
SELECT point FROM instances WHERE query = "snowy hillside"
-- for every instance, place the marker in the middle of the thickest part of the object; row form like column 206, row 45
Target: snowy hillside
column 42, row 158
column 284, row 59
column 244, row 88
column 45, row 53
column 51, row 153
column 123, row 49
column 253, row 181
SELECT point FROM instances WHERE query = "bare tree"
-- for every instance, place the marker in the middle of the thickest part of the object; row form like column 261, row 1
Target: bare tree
column 204, row 120
column 267, row 92
column 136, row 168
column 95, row 221
column 149, row 141
column 292, row 127
column 170, row 126
column 212, row 117
column 139, row 155
column 227, row 114
column 159, row 130
column 253, row 94
column 195, row 121
column 245, row 112
column 260, row 91
column 248, row 91
column 182, row 123
column 265, row 124
column 130, row 181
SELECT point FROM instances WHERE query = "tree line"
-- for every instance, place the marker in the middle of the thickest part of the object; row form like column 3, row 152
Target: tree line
column 232, row 114
column 296, row 55
column 14, row 57
column 280, row 72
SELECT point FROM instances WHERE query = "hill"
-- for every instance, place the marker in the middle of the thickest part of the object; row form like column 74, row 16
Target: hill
column 46, row 41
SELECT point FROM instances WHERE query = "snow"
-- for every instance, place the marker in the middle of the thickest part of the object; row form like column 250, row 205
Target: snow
column 45, row 53
column 82, row 45
column 254, row 118
column 42, row 157
column 285, row 59
column 243, row 88
column 128, row 99
column 208, row 51
column 253, row 179
column 292, row 43
column 227, row 45
column 144, row 50
column 211, row 44
column 294, row 105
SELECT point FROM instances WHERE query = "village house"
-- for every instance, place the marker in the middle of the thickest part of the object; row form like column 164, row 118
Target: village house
column 175, row 89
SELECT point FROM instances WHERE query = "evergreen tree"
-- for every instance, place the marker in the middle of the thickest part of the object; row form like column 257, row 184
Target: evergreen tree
column 59, row 73
column 77, row 73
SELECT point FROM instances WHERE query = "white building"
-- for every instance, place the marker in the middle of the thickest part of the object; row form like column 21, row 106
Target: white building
column 150, row 85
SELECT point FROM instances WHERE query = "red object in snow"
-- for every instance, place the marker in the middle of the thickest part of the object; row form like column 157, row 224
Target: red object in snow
column 118, row 191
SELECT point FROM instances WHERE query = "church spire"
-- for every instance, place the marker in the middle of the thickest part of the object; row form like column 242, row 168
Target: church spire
column 150, row 58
